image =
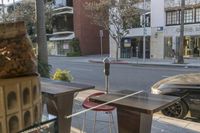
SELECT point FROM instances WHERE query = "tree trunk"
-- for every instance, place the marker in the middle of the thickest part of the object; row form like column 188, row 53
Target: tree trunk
column 180, row 59
column 117, row 53
column 41, row 32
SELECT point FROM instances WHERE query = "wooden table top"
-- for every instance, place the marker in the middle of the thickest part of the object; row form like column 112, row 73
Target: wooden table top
column 143, row 102
column 55, row 88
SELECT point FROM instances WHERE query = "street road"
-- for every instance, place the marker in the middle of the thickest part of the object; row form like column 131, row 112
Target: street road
column 121, row 76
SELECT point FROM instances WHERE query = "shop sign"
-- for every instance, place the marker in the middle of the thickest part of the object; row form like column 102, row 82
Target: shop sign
column 127, row 43
column 189, row 29
column 159, row 28
column 186, row 29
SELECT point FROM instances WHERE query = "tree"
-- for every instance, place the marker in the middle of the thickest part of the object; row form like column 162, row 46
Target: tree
column 41, row 35
column 180, row 59
column 49, row 16
column 114, row 16
column 22, row 11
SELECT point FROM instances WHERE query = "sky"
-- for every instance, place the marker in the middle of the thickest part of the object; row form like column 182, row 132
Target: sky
column 7, row 1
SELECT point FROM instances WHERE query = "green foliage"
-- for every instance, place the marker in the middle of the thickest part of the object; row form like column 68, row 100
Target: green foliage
column 74, row 43
column 75, row 48
column 49, row 16
column 44, row 69
column 63, row 75
column 73, row 54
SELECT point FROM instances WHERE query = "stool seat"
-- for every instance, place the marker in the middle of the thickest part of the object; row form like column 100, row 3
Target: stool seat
column 89, row 104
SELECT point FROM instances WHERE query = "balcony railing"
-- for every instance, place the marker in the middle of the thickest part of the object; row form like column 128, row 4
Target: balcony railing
column 59, row 29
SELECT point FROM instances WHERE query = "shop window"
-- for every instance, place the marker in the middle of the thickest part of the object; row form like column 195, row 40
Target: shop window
column 169, row 52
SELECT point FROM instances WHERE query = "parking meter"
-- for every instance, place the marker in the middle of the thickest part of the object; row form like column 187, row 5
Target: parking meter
column 106, row 62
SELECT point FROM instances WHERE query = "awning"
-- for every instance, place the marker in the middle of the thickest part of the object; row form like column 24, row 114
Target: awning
column 59, row 38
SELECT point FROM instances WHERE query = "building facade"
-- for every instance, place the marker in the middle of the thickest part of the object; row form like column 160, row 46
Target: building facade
column 163, row 33
column 70, row 21
column 63, row 28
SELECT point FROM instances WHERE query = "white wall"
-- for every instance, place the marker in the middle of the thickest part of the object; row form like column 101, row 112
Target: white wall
column 138, row 32
column 157, row 13
column 157, row 35
column 113, row 47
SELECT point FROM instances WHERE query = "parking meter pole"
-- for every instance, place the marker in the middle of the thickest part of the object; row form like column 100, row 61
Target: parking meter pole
column 137, row 51
column 106, row 84
column 107, row 73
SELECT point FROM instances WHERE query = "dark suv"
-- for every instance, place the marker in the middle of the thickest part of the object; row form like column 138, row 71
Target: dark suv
column 186, row 86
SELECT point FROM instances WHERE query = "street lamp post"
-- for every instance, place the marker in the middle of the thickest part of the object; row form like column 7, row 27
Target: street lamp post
column 144, row 32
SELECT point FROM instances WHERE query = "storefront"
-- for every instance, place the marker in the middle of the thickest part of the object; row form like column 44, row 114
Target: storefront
column 59, row 45
column 191, row 46
column 133, row 47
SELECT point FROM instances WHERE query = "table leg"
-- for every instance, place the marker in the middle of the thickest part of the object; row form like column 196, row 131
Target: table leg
column 133, row 122
column 65, row 105
column 61, row 106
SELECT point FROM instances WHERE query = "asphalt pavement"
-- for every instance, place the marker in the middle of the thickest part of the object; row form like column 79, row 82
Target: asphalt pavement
column 122, row 76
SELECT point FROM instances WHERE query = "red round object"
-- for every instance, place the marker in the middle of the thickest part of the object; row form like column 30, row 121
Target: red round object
column 89, row 104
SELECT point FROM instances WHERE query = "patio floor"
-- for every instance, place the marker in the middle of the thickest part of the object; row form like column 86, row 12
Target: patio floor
column 161, row 124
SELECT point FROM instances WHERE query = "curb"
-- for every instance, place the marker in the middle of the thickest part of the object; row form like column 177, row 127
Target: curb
column 147, row 64
column 112, row 62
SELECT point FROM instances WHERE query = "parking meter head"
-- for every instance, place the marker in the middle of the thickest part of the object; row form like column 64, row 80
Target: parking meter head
column 106, row 62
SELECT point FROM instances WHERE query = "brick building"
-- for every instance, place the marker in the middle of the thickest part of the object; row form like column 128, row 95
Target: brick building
column 88, row 34
column 71, row 21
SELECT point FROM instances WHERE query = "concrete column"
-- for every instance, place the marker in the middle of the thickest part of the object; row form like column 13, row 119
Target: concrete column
column 157, row 29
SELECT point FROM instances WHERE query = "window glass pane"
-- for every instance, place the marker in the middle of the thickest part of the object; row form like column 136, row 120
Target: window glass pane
column 188, row 16
column 198, row 15
column 168, row 18
column 177, row 17
column 173, row 17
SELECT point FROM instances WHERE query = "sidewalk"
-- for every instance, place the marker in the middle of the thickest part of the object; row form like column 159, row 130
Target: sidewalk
column 189, row 63
column 192, row 63
column 161, row 124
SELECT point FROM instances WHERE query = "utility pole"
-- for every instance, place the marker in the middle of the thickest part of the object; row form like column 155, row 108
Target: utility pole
column 180, row 59
column 144, row 31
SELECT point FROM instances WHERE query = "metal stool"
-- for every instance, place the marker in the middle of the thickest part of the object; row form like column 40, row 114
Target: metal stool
column 87, row 104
